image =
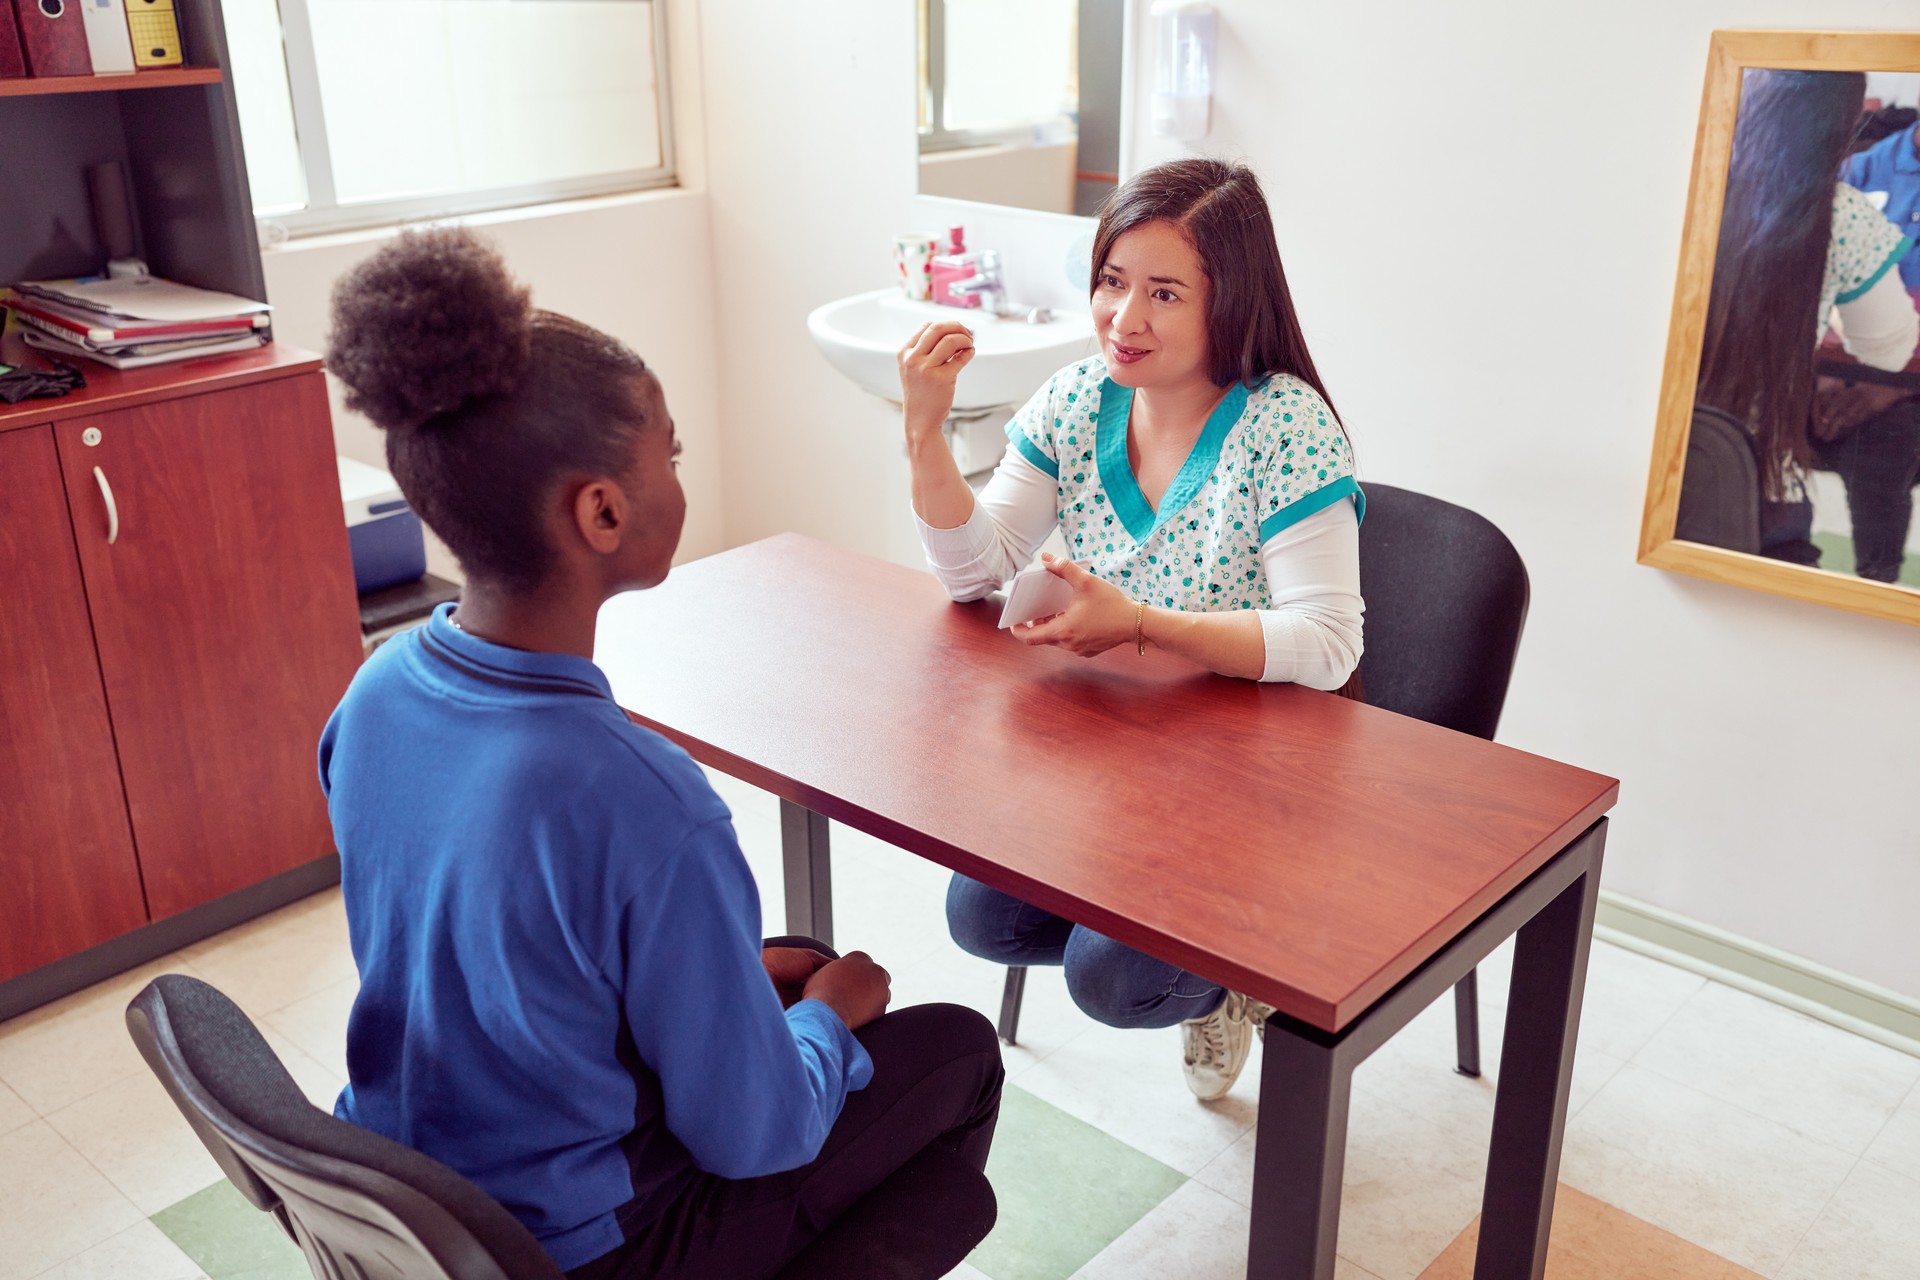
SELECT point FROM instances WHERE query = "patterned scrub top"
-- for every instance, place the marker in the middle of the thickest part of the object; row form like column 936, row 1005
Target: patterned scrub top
column 1267, row 458
column 1863, row 246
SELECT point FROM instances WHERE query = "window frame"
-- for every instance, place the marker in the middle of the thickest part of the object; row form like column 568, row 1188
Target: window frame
column 935, row 136
column 323, row 213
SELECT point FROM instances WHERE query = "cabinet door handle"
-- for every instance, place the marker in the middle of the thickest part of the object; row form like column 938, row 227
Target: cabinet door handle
column 113, row 511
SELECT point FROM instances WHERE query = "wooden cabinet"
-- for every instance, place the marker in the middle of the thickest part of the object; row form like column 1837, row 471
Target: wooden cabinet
column 162, row 690
column 223, row 617
column 182, row 621
column 66, row 854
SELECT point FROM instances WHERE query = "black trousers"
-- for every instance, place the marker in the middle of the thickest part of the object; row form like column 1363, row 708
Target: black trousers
column 1879, row 462
column 936, row 1078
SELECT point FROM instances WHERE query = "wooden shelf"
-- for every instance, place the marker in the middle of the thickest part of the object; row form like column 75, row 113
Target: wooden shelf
column 158, row 78
column 109, row 388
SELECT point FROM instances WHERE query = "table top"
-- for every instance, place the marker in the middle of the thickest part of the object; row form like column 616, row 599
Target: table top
column 1303, row 848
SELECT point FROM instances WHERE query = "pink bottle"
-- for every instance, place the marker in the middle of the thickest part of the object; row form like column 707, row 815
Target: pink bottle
column 955, row 265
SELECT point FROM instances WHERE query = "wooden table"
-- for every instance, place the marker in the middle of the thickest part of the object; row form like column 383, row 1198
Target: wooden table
column 1342, row 863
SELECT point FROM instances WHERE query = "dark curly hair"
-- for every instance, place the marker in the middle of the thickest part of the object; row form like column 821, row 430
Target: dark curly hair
column 1253, row 331
column 487, row 402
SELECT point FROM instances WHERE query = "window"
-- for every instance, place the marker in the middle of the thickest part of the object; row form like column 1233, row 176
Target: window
column 997, row 71
column 360, row 112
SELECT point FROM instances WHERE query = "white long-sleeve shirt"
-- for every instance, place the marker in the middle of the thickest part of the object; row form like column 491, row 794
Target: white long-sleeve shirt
column 1312, row 631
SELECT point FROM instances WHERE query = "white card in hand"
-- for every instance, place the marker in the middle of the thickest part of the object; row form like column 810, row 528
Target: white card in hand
column 1033, row 594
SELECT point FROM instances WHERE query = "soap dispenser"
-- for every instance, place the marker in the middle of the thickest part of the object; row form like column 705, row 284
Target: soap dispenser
column 953, row 266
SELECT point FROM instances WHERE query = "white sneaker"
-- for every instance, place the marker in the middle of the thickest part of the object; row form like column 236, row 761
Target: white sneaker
column 1217, row 1047
column 1258, row 1011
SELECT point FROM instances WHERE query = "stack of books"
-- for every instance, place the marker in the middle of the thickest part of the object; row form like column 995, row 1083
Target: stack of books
column 130, row 323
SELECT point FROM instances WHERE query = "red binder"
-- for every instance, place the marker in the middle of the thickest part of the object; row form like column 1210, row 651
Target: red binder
column 12, row 61
column 55, row 37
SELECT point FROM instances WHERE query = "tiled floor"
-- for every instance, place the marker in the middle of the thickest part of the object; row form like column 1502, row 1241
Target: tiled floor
column 1776, row 1142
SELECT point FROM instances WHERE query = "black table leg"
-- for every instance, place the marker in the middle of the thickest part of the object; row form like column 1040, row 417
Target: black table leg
column 1298, row 1156
column 1536, row 1070
column 1306, row 1082
column 807, row 871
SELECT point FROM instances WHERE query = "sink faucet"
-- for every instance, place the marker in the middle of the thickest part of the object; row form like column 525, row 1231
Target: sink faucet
column 986, row 279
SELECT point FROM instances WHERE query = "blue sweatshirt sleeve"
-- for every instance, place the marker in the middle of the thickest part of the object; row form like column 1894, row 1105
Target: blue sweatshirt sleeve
column 748, row 1087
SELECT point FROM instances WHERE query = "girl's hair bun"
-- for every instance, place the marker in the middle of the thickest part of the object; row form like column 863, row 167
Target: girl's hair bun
column 427, row 324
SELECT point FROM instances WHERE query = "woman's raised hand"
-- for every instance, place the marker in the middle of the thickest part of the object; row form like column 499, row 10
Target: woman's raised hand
column 929, row 365
column 1099, row 617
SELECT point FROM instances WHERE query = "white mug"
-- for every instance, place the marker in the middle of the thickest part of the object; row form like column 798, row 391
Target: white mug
column 913, row 261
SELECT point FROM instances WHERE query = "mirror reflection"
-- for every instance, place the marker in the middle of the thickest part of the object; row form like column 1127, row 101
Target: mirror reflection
column 1805, row 438
column 1020, row 101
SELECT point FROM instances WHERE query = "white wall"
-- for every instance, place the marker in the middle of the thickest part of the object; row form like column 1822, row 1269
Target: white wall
column 1480, row 207
column 1028, row 177
column 812, row 161
column 1484, row 256
column 638, row 267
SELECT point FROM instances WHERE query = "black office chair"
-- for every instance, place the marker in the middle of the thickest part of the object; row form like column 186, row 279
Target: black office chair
column 359, row 1205
column 1720, row 488
column 1446, row 600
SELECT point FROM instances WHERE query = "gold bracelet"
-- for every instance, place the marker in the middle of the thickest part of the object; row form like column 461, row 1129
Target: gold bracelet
column 1139, row 636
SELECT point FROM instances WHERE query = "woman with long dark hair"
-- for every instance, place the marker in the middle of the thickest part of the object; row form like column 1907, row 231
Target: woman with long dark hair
column 1206, row 493
column 1795, row 243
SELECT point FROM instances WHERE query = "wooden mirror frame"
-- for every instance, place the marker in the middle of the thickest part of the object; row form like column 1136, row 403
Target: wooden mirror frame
column 1731, row 53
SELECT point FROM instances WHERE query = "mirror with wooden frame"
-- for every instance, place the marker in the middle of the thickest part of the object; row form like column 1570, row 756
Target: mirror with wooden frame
column 1788, row 445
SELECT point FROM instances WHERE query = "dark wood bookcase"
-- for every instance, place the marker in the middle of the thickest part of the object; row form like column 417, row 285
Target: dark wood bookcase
column 181, row 613
column 177, row 132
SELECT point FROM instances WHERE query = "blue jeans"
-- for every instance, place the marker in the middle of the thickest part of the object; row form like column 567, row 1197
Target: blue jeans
column 1111, row 982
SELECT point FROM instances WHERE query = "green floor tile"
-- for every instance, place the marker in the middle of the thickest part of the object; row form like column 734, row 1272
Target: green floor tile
column 1066, row 1191
column 230, row 1239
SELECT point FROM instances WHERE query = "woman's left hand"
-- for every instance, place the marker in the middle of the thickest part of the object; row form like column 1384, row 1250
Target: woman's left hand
column 1099, row 618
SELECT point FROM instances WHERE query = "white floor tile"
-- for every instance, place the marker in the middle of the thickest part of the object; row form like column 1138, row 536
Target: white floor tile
column 1730, row 1181
column 892, row 918
column 1416, row 1070
column 142, row 1251
column 1192, row 1233
column 53, row 1204
column 266, row 964
column 1496, row 973
column 1870, row 1230
column 132, row 1132
column 1409, row 1189
column 1195, row 1233
column 61, row 1052
column 321, row 1084
column 1130, row 1084
column 1816, row 1079
column 1897, row 1147
column 13, row 1111
column 1048, row 1017
column 965, row 1272
column 1628, row 998
column 318, row 1024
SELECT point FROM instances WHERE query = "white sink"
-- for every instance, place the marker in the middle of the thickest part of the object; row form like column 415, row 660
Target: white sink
column 862, row 335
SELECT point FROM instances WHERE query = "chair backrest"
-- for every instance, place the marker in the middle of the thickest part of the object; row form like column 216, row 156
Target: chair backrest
column 1446, row 600
column 1720, row 488
column 356, row 1203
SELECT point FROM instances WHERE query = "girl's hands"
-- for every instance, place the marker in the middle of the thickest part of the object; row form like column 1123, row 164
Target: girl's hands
column 790, row 968
column 1099, row 618
column 929, row 364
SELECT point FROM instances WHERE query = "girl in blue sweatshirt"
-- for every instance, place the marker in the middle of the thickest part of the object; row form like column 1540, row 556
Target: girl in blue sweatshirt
column 564, row 994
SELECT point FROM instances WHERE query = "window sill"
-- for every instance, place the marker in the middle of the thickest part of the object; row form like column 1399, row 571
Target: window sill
column 488, row 218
